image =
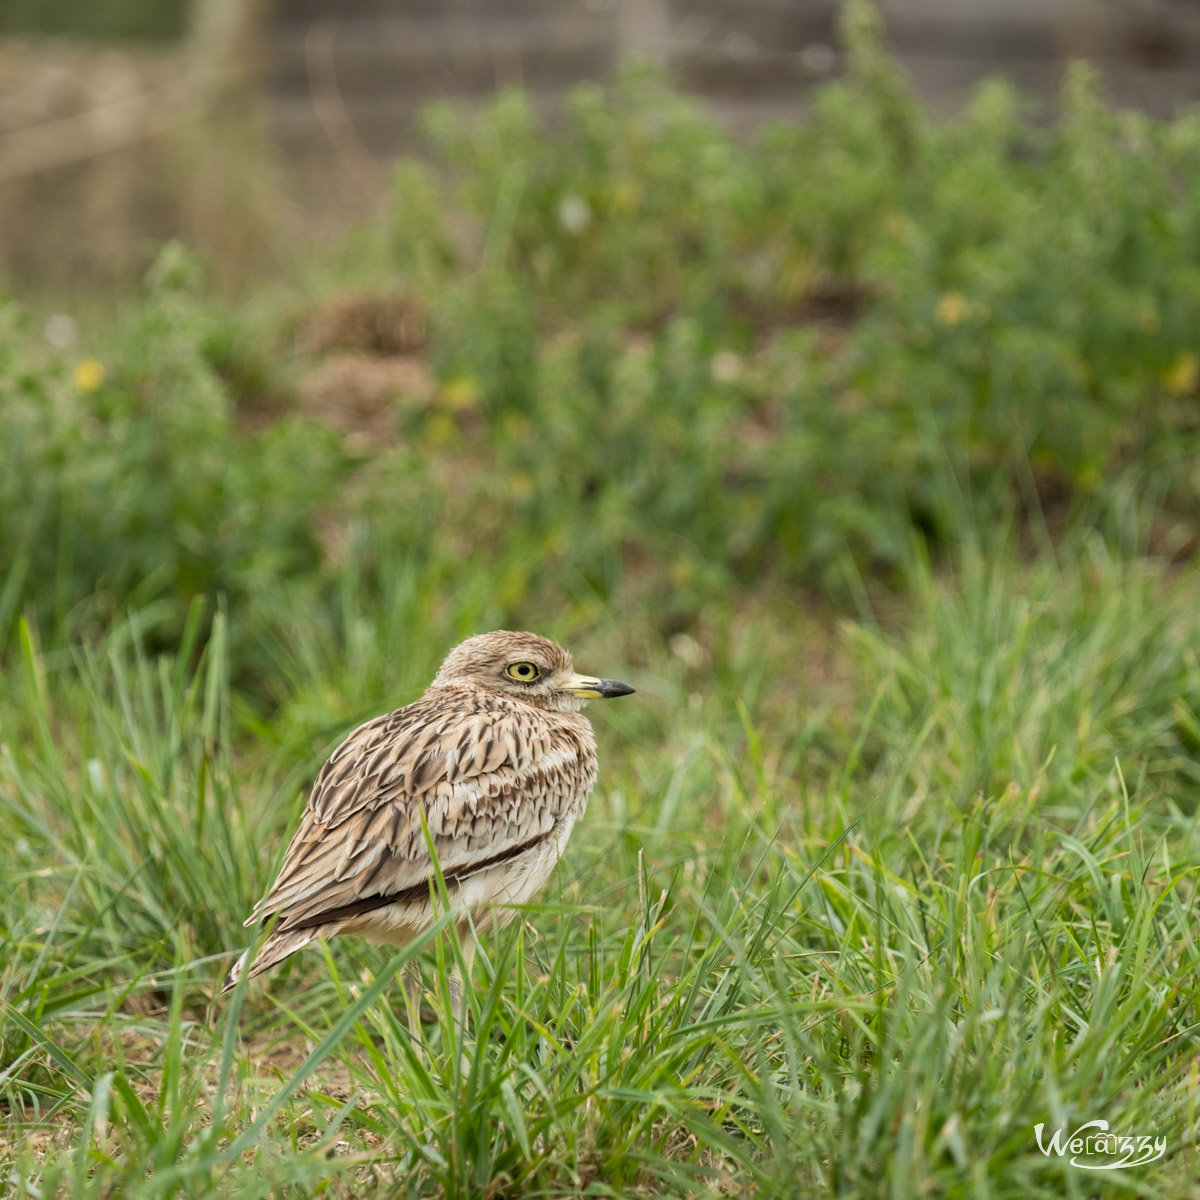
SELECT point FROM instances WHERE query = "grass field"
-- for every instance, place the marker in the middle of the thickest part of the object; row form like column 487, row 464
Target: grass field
column 866, row 452
column 853, row 908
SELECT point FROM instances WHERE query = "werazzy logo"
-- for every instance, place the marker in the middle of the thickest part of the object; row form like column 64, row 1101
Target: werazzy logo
column 1111, row 1151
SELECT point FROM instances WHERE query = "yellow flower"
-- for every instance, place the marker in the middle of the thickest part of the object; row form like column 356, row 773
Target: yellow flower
column 951, row 308
column 89, row 375
column 520, row 485
column 1183, row 375
column 625, row 199
column 682, row 572
column 440, row 429
column 460, row 394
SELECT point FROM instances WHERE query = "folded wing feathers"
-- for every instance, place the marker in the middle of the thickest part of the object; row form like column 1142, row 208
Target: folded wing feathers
column 488, row 775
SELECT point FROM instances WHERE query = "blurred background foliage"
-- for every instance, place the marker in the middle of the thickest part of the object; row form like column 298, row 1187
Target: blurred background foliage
column 625, row 356
column 149, row 20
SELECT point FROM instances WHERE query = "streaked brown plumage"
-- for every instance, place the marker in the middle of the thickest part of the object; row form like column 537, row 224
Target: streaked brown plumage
column 501, row 766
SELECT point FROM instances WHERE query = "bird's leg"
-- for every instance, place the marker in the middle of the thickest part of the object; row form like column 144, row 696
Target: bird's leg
column 457, row 985
column 458, row 989
column 413, row 991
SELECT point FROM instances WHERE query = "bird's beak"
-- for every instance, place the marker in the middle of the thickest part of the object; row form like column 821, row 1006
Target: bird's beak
column 594, row 689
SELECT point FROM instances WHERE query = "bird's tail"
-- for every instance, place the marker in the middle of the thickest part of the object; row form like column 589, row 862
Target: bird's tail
column 274, row 950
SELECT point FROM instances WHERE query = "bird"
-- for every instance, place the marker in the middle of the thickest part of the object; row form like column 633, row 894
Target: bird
column 496, row 761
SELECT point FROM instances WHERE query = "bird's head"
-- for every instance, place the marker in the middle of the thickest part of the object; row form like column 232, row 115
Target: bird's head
column 527, row 667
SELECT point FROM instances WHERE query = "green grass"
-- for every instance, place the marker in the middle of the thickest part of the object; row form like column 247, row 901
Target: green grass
column 861, row 947
column 865, row 450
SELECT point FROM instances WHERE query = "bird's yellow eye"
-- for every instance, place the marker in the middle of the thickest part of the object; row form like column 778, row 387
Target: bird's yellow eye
column 523, row 672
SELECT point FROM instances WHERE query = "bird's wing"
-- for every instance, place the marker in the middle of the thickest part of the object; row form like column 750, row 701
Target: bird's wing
column 490, row 780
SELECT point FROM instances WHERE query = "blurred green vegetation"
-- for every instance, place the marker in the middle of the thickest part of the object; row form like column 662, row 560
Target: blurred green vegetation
column 128, row 20
column 658, row 350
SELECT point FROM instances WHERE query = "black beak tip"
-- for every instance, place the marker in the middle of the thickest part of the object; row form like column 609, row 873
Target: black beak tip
column 611, row 688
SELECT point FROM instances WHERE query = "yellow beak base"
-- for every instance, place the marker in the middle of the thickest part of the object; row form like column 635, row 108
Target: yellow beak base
column 595, row 689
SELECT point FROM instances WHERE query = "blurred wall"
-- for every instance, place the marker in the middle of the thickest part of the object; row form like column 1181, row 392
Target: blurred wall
column 85, row 158
column 256, row 121
column 111, row 144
